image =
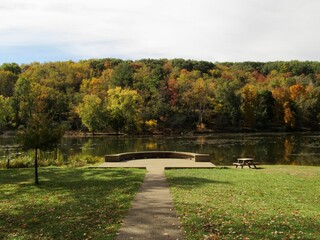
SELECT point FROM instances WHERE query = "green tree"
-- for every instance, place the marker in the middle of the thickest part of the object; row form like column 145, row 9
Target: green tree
column 11, row 67
column 264, row 112
column 124, row 109
column 149, row 83
column 5, row 111
column 41, row 130
column 122, row 75
column 22, row 100
column 7, row 82
column 40, row 133
column 229, row 102
column 92, row 113
column 309, row 107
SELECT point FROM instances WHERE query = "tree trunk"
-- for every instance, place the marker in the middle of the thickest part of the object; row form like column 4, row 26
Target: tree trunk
column 55, row 153
column 8, row 160
column 36, row 179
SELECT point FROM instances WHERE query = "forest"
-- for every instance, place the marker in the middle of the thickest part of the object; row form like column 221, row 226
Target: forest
column 150, row 96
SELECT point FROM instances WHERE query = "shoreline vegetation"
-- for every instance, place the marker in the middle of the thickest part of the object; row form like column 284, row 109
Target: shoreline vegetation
column 12, row 133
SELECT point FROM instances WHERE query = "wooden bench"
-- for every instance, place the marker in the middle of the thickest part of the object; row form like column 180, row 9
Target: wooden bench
column 197, row 157
column 238, row 164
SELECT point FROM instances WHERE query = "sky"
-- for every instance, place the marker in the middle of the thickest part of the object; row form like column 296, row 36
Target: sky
column 211, row 30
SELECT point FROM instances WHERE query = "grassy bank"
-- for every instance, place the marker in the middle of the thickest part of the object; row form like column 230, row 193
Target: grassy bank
column 68, row 203
column 26, row 160
column 275, row 202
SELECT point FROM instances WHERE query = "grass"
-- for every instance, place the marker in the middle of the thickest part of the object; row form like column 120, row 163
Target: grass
column 69, row 203
column 274, row 202
column 46, row 159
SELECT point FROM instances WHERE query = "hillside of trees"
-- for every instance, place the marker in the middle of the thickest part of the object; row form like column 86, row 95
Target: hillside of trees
column 161, row 95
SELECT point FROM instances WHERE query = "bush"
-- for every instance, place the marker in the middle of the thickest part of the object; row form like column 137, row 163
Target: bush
column 22, row 161
column 83, row 160
column 48, row 159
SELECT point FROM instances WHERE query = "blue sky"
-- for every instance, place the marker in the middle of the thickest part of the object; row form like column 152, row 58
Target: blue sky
column 213, row 30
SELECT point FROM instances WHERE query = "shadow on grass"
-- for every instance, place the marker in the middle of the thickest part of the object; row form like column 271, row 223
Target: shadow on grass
column 186, row 182
column 68, row 203
column 257, row 168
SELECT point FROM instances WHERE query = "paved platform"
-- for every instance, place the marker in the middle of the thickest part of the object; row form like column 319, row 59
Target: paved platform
column 152, row 214
column 158, row 164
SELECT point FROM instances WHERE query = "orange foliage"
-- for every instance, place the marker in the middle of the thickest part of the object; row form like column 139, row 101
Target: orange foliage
column 259, row 76
column 289, row 116
column 296, row 91
column 136, row 65
column 173, row 90
column 281, row 95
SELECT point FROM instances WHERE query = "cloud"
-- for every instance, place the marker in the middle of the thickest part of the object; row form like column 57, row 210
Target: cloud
column 215, row 30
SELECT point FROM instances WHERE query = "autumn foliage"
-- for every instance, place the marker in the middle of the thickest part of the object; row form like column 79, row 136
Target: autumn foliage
column 114, row 95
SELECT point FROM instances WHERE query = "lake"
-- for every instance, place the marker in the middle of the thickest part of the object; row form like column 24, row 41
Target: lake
column 266, row 148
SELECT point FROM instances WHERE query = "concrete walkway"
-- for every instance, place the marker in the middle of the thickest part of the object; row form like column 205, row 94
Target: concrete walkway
column 152, row 214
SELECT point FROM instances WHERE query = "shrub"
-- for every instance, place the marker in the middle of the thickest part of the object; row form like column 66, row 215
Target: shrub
column 22, row 161
column 83, row 160
column 48, row 159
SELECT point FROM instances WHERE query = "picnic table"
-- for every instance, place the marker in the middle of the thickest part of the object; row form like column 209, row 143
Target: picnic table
column 241, row 162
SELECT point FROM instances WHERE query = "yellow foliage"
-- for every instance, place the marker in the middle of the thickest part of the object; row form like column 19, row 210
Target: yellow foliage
column 249, row 95
column 151, row 124
column 201, row 127
column 151, row 146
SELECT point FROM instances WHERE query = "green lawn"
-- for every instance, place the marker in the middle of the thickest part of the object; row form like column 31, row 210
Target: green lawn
column 274, row 202
column 68, row 204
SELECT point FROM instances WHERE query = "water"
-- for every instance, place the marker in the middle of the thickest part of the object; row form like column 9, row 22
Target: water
column 279, row 148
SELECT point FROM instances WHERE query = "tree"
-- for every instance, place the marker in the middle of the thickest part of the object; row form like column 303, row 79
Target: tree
column 5, row 111
column 27, row 94
column 281, row 96
column 124, row 109
column 228, row 101
column 122, row 75
column 309, row 107
column 249, row 103
column 94, row 86
column 40, row 133
column 202, row 98
column 296, row 91
column 264, row 112
column 41, row 129
column 92, row 113
column 150, row 84
column 7, row 82
column 12, row 67
column 290, row 116
column 97, row 66
column 22, row 100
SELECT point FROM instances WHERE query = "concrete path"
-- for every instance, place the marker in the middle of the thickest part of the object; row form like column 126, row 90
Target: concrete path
column 152, row 214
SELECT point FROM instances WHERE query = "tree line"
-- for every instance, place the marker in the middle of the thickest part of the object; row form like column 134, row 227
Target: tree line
column 162, row 95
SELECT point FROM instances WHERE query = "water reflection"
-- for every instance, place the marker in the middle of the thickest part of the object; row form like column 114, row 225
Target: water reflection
column 299, row 149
